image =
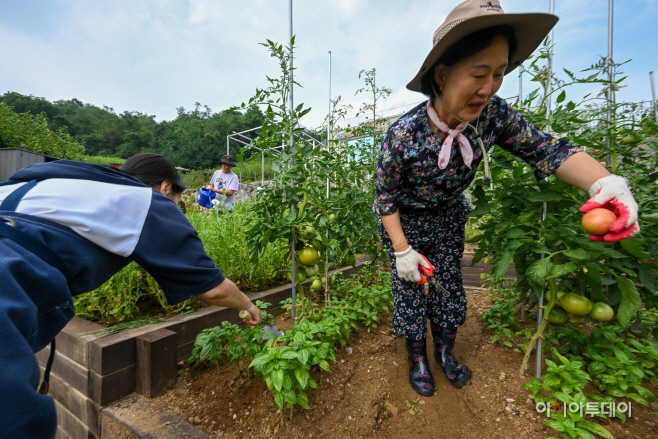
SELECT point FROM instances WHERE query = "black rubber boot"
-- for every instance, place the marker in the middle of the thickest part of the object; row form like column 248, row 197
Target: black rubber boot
column 420, row 375
column 444, row 340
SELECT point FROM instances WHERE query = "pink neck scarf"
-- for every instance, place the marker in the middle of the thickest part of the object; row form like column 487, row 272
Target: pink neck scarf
column 464, row 144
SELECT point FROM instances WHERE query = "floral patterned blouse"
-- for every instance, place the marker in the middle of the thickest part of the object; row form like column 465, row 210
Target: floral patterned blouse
column 408, row 176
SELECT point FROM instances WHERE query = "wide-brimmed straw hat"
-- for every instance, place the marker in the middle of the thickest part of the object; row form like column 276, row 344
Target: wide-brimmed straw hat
column 530, row 29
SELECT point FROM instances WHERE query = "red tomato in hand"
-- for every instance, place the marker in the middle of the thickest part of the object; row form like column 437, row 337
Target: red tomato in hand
column 597, row 221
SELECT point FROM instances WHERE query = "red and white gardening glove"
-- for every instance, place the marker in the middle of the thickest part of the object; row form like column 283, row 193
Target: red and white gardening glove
column 407, row 263
column 612, row 193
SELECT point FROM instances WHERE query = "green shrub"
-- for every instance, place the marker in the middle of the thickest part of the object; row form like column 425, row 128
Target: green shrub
column 31, row 132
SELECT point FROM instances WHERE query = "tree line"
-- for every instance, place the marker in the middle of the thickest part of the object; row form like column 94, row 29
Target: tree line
column 195, row 139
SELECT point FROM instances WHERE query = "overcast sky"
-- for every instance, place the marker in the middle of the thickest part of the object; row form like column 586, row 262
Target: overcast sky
column 154, row 56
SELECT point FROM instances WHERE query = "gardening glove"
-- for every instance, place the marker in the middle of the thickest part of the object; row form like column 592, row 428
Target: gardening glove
column 407, row 264
column 612, row 193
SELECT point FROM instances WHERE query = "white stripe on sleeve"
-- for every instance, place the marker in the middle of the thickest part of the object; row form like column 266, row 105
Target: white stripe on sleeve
column 109, row 215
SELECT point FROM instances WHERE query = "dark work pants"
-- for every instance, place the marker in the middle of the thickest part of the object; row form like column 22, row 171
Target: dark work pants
column 440, row 238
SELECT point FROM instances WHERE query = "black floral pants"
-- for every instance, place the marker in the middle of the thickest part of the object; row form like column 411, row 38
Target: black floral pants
column 440, row 238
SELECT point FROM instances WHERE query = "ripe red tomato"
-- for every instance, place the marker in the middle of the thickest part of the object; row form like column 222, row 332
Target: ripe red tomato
column 597, row 221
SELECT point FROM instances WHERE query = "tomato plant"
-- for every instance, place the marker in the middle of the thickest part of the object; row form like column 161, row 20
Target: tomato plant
column 549, row 248
column 293, row 209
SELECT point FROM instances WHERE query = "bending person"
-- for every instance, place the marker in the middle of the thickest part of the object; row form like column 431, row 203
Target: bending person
column 65, row 228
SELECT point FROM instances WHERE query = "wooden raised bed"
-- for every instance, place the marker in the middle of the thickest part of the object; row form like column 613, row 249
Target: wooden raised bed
column 91, row 371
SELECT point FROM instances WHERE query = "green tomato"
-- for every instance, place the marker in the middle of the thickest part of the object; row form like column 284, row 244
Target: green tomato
column 310, row 272
column 317, row 285
column 549, row 295
column 331, row 217
column 316, row 315
column 557, row 316
column 602, row 312
column 301, row 276
column 308, row 256
column 307, row 232
column 576, row 304
column 632, row 139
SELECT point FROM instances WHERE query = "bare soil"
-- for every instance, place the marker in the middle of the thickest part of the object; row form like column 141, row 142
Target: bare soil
column 367, row 394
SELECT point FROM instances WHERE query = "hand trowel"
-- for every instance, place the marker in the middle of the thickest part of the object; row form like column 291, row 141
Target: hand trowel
column 271, row 330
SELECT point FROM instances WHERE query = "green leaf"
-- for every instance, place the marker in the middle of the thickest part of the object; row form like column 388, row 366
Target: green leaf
column 545, row 197
column 634, row 246
column 630, row 302
column 538, row 270
column 302, row 400
column 324, row 365
column 614, row 254
column 584, row 434
column 562, row 358
column 650, row 218
column 277, row 379
column 503, row 263
column 278, row 398
column 289, row 355
column 515, row 233
column 597, row 429
column 561, row 97
column 637, row 398
column 647, row 279
column 206, row 349
column 287, row 382
column 607, row 281
column 302, row 377
column 289, row 396
column 561, row 270
column 303, row 356
column 579, row 253
column 555, row 425
column 480, row 210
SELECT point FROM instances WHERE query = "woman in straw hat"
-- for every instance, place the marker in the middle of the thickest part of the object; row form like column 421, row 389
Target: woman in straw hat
column 430, row 156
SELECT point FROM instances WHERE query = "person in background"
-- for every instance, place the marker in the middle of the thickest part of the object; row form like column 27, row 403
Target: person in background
column 225, row 182
column 65, row 228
